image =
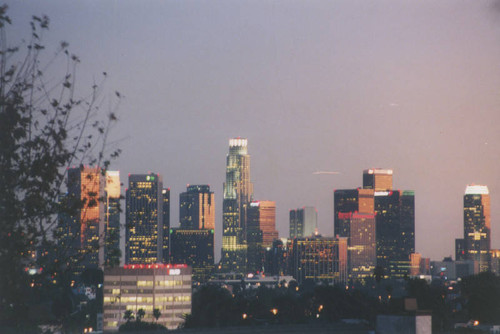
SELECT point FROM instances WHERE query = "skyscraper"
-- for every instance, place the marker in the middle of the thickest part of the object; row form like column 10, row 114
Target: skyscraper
column 237, row 195
column 144, row 219
column 81, row 233
column 477, row 225
column 197, row 208
column 166, row 224
column 112, row 218
column 395, row 219
column 394, row 212
column 362, row 244
column 303, row 222
column 260, row 232
column 350, row 200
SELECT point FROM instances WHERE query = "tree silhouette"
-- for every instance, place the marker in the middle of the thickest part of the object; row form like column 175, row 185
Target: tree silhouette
column 156, row 314
column 128, row 315
column 140, row 314
column 44, row 129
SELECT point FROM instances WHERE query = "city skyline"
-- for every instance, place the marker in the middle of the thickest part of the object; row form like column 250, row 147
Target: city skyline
column 317, row 86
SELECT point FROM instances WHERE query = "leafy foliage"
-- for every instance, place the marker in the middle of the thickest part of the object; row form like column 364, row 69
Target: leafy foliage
column 44, row 129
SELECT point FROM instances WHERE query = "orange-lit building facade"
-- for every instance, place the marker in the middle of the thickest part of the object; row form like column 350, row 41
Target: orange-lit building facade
column 81, row 233
column 260, row 232
column 197, row 208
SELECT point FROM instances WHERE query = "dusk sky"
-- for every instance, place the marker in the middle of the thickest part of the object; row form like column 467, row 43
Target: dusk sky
column 314, row 85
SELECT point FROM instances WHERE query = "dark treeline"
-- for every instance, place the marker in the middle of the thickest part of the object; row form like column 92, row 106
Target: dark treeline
column 476, row 297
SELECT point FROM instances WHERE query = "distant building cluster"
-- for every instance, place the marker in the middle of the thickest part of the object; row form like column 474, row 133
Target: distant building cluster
column 373, row 235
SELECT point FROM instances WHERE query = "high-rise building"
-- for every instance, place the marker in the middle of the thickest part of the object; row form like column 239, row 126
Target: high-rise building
column 166, row 224
column 132, row 287
column 377, row 179
column 395, row 219
column 350, row 200
column 144, row 219
column 361, row 244
column 318, row 258
column 303, row 222
column 194, row 248
column 112, row 218
column 80, row 232
column 260, row 232
column 394, row 212
column 237, row 195
column 262, row 215
column 477, row 225
column 197, row 208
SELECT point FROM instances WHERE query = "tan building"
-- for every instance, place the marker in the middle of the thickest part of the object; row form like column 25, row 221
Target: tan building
column 197, row 208
column 262, row 215
column 377, row 179
column 362, row 245
column 154, row 286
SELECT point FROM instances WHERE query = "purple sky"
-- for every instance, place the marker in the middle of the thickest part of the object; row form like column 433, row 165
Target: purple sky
column 314, row 86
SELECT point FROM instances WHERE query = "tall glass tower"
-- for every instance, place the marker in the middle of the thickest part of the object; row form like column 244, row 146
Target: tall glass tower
column 145, row 219
column 238, row 191
column 477, row 225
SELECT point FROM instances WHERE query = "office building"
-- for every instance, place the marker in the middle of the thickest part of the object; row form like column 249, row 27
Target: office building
column 145, row 210
column 262, row 215
column 237, row 195
column 148, row 287
column 166, row 224
column 80, row 232
column 362, row 256
column 395, row 221
column 194, row 248
column 321, row 259
column 260, row 232
column 394, row 212
column 112, row 218
column 276, row 258
column 377, row 179
column 197, row 208
column 303, row 222
column 477, row 225
column 350, row 201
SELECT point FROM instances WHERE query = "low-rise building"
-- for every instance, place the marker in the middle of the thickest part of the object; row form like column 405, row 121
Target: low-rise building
column 322, row 259
column 166, row 287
